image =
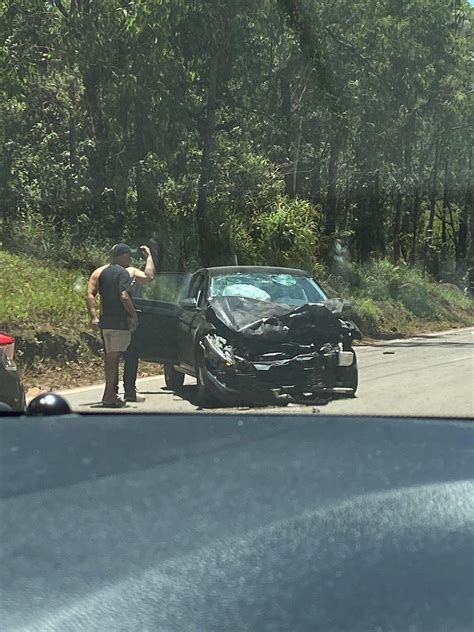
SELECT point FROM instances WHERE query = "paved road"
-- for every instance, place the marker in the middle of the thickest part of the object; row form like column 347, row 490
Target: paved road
column 429, row 375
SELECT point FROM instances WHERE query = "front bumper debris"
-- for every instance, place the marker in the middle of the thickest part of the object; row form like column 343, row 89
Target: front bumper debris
column 271, row 377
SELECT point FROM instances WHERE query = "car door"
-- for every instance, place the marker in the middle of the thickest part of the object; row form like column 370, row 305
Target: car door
column 191, row 318
column 158, row 316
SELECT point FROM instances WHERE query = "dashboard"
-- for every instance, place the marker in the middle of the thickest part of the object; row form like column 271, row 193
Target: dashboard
column 228, row 522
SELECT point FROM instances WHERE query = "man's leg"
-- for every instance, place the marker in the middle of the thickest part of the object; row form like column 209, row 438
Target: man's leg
column 116, row 382
column 130, row 370
column 112, row 359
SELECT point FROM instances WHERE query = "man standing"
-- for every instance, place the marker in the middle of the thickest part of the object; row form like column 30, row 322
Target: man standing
column 118, row 317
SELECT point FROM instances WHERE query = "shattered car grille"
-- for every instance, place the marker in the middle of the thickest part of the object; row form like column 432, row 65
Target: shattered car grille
column 290, row 375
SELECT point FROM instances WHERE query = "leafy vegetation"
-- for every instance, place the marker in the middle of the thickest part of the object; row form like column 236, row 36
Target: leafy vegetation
column 268, row 131
column 35, row 297
column 399, row 300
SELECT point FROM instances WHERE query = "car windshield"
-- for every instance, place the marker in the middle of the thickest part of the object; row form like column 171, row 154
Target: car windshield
column 283, row 288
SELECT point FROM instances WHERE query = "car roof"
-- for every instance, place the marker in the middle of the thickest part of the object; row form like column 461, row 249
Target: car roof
column 215, row 271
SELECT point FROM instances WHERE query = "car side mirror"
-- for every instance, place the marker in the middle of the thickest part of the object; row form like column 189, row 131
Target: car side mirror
column 188, row 303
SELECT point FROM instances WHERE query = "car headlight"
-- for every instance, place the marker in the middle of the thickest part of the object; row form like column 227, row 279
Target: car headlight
column 218, row 352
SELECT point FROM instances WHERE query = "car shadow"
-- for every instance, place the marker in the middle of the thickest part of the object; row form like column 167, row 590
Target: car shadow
column 189, row 392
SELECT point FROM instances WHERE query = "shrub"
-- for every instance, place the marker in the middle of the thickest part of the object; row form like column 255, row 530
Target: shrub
column 416, row 298
column 48, row 241
column 35, row 296
column 287, row 235
column 368, row 315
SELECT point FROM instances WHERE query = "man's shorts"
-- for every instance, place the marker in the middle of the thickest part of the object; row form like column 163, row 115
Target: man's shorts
column 116, row 340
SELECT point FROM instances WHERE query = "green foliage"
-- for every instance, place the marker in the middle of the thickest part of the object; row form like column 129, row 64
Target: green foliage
column 390, row 300
column 368, row 315
column 416, row 298
column 47, row 240
column 285, row 235
column 223, row 126
column 35, row 296
column 379, row 280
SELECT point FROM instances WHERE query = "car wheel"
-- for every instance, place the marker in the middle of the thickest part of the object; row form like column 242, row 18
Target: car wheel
column 174, row 380
column 204, row 396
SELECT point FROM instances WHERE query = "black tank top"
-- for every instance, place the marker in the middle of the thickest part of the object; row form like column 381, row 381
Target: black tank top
column 112, row 280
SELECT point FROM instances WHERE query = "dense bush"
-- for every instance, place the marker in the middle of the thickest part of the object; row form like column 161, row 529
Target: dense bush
column 37, row 297
column 389, row 299
column 50, row 241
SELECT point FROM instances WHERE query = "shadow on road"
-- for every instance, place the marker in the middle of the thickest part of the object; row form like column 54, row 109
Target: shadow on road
column 190, row 394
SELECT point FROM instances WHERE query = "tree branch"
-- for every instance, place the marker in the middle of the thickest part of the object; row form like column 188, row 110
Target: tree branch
column 364, row 60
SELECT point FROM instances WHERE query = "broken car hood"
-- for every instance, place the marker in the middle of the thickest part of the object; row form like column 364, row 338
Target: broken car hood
column 252, row 318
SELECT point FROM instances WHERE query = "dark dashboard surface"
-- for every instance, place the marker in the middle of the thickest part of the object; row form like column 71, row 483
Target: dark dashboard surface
column 216, row 523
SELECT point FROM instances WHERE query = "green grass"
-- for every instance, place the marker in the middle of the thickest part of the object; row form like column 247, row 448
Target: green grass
column 36, row 297
column 394, row 300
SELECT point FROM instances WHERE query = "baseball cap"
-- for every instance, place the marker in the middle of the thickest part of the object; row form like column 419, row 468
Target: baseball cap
column 121, row 249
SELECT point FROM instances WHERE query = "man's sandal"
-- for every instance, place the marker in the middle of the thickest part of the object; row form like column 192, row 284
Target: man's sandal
column 116, row 403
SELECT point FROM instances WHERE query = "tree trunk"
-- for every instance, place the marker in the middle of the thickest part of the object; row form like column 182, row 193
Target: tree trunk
column 145, row 220
column 463, row 257
column 434, row 180
column 378, row 214
column 369, row 234
column 415, row 216
column 315, row 194
column 70, row 202
column 397, row 224
column 287, row 119
column 207, row 141
column 296, row 157
column 433, row 193
column 331, row 197
column 444, row 212
column 98, row 159
column 346, row 219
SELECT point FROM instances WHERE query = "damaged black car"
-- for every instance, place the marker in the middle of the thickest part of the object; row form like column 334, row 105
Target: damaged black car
column 254, row 335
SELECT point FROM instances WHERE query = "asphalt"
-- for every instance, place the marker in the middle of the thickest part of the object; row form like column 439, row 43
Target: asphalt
column 429, row 375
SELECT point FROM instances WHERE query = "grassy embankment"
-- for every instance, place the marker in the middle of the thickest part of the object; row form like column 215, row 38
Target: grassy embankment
column 43, row 306
column 46, row 312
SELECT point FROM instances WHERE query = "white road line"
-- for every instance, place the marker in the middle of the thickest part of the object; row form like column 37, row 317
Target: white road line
column 84, row 389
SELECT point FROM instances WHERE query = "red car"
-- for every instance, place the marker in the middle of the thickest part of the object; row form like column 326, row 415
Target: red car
column 12, row 394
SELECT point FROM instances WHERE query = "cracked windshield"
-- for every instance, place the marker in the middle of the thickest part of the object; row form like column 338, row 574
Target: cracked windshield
column 237, row 206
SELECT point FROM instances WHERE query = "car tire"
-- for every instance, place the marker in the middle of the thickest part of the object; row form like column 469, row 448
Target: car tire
column 204, row 396
column 174, row 380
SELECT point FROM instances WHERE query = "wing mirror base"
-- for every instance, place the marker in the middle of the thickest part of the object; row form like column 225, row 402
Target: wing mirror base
column 188, row 303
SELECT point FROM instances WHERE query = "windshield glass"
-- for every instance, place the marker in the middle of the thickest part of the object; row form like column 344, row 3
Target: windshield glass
column 277, row 288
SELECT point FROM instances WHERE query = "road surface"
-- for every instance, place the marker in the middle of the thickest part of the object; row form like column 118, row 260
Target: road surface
column 429, row 375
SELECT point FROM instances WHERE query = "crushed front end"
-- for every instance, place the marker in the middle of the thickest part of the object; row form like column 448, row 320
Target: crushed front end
column 263, row 353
